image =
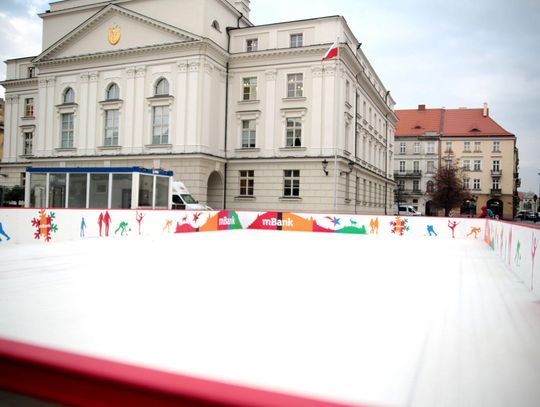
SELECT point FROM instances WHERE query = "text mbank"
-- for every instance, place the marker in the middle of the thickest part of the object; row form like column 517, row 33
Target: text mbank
column 277, row 222
column 226, row 221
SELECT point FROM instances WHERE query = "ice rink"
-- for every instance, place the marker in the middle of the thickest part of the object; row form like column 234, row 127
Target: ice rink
column 393, row 322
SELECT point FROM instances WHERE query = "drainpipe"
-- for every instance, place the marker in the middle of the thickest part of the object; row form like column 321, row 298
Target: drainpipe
column 386, row 156
column 228, row 29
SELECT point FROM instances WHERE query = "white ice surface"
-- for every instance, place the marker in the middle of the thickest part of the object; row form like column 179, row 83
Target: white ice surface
column 397, row 321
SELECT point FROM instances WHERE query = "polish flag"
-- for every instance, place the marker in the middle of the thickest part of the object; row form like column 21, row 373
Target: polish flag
column 332, row 52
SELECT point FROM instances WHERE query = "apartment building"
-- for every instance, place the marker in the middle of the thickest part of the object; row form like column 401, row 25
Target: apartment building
column 470, row 138
column 249, row 117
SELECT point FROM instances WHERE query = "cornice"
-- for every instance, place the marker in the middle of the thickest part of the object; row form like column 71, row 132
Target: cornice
column 315, row 50
column 19, row 82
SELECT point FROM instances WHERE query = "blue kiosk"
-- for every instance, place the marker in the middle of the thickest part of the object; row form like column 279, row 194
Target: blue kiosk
column 98, row 187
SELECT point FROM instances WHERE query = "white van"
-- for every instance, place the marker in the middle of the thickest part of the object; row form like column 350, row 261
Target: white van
column 405, row 210
column 182, row 199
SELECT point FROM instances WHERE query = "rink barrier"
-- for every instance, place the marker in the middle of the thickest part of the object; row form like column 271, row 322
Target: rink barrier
column 73, row 379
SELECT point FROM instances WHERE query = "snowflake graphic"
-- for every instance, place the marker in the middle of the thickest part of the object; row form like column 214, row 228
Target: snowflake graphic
column 44, row 225
column 400, row 225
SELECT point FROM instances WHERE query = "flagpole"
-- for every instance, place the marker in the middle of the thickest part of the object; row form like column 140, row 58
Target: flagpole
column 337, row 128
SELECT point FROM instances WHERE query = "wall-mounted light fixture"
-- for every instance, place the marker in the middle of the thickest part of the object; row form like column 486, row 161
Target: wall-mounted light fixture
column 350, row 164
column 325, row 166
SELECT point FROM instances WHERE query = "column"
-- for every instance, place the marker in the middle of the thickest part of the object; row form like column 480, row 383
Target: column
column 92, row 132
column 142, row 110
column 52, row 137
column 270, row 142
column 128, row 116
column 193, row 106
column 11, row 128
column 182, row 102
column 84, row 107
column 41, row 134
column 317, row 100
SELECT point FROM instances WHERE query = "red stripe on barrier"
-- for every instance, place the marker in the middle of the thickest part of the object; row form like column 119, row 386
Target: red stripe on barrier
column 75, row 379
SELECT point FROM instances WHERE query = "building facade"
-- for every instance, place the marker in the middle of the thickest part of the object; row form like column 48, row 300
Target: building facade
column 248, row 117
column 484, row 151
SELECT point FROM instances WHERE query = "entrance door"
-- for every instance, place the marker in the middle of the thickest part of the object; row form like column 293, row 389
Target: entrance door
column 215, row 191
column 496, row 206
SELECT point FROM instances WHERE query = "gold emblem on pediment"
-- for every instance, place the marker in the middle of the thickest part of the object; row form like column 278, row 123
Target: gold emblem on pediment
column 114, row 34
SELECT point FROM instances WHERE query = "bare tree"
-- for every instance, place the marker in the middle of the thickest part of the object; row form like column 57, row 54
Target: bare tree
column 448, row 191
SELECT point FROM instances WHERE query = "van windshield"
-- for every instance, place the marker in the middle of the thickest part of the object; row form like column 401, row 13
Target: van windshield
column 188, row 199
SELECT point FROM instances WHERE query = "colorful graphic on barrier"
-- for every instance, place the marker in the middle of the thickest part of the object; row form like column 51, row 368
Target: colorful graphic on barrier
column 223, row 220
column 452, row 225
column 168, row 224
column 139, row 217
column 122, row 228
column 374, row 226
column 44, row 225
column 83, row 228
column 104, row 220
column 3, row 233
column 474, row 231
column 399, row 226
column 431, row 230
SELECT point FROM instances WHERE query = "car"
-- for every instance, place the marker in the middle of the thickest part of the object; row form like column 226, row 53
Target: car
column 521, row 215
column 532, row 216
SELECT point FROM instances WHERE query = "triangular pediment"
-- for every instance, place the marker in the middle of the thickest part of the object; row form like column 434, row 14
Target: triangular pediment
column 113, row 29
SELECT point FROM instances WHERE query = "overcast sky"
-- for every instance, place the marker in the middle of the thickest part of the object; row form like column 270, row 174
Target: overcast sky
column 433, row 52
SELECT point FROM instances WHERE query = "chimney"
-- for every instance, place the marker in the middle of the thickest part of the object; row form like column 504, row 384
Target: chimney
column 485, row 112
column 421, row 108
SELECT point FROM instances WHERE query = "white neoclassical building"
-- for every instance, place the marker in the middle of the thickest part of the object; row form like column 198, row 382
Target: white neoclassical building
column 249, row 117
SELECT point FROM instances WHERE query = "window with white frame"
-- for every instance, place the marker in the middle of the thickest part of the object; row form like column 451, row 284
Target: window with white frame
column 477, row 165
column 416, row 166
column 112, row 92
column 347, row 91
column 29, row 107
column 291, row 183
column 402, row 148
column 294, row 132
column 66, row 130
column 416, row 146
column 477, row 146
column 247, row 182
column 431, row 167
column 466, row 183
column 295, row 85
column 112, row 118
column 416, row 185
column 297, row 40
column 68, row 96
column 448, row 147
column 476, row 183
column 28, row 140
column 161, row 88
column 431, row 147
column 496, row 183
column 249, row 133
column 466, row 165
column 252, row 44
column 160, row 125
column 466, row 146
column 249, row 88
column 400, row 184
column 496, row 146
column 402, row 166
column 496, row 165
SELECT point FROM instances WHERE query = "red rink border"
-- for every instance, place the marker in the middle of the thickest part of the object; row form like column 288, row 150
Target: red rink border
column 74, row 379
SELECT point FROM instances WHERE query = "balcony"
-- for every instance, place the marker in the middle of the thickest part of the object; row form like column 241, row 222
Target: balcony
column 496, row 173
column 408, row 174
column 407, row 193
column 495, row 192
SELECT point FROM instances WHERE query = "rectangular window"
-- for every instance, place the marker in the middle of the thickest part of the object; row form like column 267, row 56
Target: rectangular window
column 466, row 183
column 37, row 190
column 121, row 191
column 31, row 72
column 99, row 191
column 357, row 189
column 252, row 45
column 249, row 88
column 347, row 91
column 431, row 147
column 347, row 187
column 431, row 167
column 77, row 190
column 466, row 146
column 291, row 183
column 160, row 125
column 417, row 147
column 295, row 85
column 297, row 40
column 111, row 127
column 466, row 165
column 496, row 146
column 247, row 182
column 66, row 138
column 416, row 185
column 496, row 184
column 416, row 166
column 402, row 166
column 29, row 107
column 294, row 132
column 496, row 165
column 477, row 165
column 448, row 147
column 28, row 140
column 477, row 146
column 402, row 148
column 248, row 134
column 476, row 183
column 401, row 185
column 57, row 190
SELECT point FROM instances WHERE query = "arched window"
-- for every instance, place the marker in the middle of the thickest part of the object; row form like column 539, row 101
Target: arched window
column 113, row 92
column 215, row 25
column 161, row 88
column 69, row 96
column 429, row 186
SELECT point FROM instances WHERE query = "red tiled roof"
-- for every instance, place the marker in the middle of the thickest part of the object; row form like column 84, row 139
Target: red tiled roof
column 454, row 122
column 417, row 122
